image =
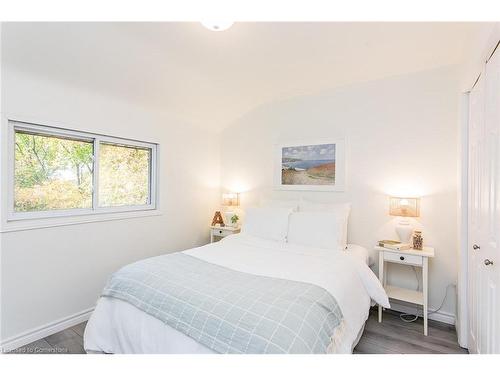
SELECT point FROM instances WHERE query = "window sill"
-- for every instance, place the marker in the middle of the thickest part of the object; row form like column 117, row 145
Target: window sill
column 30, row 224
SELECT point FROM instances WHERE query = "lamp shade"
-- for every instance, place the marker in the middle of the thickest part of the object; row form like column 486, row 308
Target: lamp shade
column 406, row 207
column 230, row 199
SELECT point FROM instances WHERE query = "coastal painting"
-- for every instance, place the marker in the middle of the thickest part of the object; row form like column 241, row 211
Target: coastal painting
column 310, row 166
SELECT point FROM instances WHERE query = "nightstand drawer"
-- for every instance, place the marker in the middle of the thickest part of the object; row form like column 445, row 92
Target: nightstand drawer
column 222, row 232
column 216, row 233
column 403, row 258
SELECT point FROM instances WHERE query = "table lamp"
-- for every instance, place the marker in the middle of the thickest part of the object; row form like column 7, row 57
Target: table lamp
column 230, row 201
column 404, row 207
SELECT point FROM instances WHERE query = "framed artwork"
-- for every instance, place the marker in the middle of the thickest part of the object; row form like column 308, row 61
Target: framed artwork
column 313, row 166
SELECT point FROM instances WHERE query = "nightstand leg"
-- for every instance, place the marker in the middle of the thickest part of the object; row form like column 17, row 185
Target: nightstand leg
column 381, row 277
column 425, row 274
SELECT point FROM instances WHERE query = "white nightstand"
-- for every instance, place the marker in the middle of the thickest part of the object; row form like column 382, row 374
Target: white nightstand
column 411, row 257
column 222, row 232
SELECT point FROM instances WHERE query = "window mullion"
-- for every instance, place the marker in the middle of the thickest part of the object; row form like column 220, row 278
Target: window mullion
column 95, row 180
column 153, row 175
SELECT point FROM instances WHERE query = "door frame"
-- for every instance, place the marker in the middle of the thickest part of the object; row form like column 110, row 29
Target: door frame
column 462, row 318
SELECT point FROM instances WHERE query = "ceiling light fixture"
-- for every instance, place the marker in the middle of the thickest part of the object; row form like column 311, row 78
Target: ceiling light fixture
column 217, row 25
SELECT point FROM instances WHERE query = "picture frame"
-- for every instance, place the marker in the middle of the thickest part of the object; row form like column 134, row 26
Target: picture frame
column 316, row 165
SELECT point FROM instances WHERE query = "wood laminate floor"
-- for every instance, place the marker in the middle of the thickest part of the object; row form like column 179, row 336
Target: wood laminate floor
column 392, row 336
column 69, row 341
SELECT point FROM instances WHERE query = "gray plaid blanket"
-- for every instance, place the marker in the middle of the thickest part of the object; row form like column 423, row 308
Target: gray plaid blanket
column 229, row 311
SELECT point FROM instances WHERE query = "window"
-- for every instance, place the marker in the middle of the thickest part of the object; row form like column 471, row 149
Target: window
column 52, row 173
column 60, row 172
column 116, row 161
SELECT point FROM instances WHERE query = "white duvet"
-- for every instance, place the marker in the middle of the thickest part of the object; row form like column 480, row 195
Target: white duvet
column 118, row 327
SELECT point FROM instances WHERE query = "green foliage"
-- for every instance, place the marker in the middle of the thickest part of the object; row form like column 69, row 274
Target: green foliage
column 52, row 173
column 123, row 175
column 234, row 219
column 56, row 173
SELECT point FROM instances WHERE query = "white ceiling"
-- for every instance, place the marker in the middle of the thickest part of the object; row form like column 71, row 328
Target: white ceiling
column 211, row 78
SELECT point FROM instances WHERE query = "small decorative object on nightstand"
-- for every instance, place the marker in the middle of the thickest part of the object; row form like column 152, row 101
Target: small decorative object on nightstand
column 217, row 220
column 394, row 245
column 418, row 241
column 221, row 232
column 234, row 220
column 416, row 258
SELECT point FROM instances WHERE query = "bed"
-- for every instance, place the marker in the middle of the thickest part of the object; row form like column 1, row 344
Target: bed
column 122, row 326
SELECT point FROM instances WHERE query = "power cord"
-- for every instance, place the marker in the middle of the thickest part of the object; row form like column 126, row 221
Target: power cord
column 415, row 316
column 442, row 302
column 409, row 318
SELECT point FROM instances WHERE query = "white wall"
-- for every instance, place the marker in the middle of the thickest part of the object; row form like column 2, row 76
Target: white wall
column 49, row 274
column 402, row 140
column 477, row 49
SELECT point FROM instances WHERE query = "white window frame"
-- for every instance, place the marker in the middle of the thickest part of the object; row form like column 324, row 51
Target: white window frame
column 36, row 218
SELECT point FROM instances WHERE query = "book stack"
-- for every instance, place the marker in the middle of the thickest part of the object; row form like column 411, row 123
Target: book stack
column 394, row 245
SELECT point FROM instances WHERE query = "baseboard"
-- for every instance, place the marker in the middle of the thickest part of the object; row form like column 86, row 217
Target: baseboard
column 40, row 332
column 439, row 316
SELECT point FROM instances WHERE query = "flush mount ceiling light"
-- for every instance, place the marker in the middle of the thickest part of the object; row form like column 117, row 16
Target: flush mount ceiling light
column 217, row 25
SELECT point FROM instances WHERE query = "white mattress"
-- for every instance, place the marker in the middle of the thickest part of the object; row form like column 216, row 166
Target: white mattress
column 118, row 327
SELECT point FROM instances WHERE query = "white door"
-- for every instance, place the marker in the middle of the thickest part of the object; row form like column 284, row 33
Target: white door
column 490, row 257
column 476, row 140
column 484, row 211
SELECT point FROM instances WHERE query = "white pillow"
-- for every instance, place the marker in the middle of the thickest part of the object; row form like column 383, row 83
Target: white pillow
column 316, row 229
column 341, row 209
column 293, row 204
column 270, row 223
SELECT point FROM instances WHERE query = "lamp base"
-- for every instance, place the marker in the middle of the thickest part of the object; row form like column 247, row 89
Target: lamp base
column 404, row 231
